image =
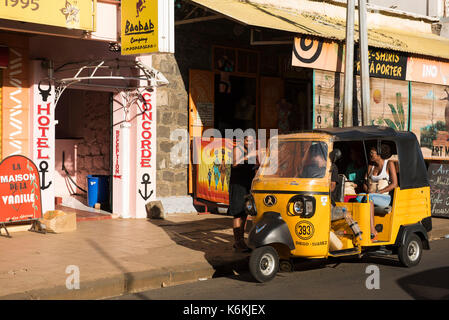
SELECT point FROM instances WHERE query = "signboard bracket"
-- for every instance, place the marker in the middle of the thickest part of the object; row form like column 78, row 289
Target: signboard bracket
column 3, row 225
column 37, row 227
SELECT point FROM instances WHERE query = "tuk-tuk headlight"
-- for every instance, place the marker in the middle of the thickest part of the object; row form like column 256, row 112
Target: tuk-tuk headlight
column 303, row 206
column 298, row 207
column 250, row 207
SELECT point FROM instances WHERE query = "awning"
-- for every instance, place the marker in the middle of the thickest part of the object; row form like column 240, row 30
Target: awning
column 121, row 75
column 306, row 23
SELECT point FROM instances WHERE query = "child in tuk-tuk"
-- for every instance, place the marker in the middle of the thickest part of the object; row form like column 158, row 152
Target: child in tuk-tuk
column 355, row 171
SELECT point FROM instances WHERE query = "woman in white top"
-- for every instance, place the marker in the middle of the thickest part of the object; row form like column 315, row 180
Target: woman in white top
column 383, row 173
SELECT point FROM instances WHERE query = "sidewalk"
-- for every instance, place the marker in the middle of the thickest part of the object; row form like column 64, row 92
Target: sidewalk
column 117, row 256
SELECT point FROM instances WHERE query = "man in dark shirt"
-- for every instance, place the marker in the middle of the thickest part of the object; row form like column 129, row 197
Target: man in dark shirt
column 334, row 184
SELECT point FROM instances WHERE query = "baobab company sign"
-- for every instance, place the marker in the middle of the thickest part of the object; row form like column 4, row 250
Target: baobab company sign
column 147, row 26
column 139, row 26
column 20, row 195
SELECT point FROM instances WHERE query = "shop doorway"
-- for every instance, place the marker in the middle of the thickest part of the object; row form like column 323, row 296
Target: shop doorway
column 235, row 103
column 298, row 93
column 83, row 145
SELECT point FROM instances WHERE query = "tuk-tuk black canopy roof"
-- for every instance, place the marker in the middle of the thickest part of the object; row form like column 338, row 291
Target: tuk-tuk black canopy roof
column 413, row 171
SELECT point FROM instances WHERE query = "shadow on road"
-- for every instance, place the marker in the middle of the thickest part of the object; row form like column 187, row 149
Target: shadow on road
column 129, row 279
column 213, row 237
column 427, row 285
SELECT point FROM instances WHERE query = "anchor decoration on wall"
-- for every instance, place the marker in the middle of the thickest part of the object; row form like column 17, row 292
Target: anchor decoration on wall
column 43, row 166
column 44, row 93
column 146, row 181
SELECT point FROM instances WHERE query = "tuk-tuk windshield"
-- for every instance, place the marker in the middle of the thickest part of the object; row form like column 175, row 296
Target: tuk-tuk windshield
column 296, row 159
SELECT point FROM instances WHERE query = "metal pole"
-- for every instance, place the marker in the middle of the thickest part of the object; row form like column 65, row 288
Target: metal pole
column 364, row 63
column 349, row 64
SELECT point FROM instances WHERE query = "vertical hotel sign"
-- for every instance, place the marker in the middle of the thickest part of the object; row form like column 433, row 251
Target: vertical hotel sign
column 146, row 152
column 139, row 26
column 73, row 14
column 43, row 108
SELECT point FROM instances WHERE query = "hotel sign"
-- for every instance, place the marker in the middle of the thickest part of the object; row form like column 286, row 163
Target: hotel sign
column 72, row 14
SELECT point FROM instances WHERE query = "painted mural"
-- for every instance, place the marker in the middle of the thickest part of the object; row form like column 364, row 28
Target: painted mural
column 16, row 98
column 430, row 121
column 214, row 170
column 329, row 93
column 388, row 104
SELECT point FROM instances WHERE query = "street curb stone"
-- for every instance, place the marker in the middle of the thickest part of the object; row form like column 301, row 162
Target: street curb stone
column 127, row 283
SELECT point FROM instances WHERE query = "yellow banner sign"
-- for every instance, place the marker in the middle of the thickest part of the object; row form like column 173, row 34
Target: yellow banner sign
column 139, row 26
column 72, row 14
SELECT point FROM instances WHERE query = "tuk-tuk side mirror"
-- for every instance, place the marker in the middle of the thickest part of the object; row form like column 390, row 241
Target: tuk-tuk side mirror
column 335, row 155
column 250, row 206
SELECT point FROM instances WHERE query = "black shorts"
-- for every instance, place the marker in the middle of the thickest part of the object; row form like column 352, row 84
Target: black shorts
column 237, row 193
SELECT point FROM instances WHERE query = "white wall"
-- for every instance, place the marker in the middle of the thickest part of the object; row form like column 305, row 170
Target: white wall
column 433, row 8
column 335, row 9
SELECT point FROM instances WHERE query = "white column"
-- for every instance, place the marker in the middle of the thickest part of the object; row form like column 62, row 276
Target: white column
column 349, row 64
column 146, row 145
column 364, row 63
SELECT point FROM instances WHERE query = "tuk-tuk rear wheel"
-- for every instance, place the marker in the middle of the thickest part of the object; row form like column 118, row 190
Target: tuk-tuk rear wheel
column 264, row 263
column 410, row 251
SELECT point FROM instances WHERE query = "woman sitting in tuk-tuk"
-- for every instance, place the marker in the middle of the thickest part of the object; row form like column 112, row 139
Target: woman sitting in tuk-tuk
column 381, row 178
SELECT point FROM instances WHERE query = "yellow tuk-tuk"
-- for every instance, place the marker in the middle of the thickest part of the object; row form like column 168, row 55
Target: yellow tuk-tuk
column 291, row 204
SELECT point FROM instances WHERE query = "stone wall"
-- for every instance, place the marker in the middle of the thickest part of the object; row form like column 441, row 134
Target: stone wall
column 172, row 113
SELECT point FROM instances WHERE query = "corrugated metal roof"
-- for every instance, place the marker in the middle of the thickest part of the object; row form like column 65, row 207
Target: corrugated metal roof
column 327, row 27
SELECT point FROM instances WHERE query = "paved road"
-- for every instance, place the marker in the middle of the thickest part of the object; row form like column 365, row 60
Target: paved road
column 333, row 279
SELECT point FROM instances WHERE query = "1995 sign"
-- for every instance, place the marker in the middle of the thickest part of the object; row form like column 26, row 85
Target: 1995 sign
column 32, row 4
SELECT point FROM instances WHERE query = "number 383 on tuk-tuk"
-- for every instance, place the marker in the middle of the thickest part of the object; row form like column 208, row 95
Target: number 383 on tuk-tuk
column 292, row 202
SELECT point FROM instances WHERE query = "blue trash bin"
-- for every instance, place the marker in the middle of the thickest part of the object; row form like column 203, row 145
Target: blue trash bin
column 97, row 190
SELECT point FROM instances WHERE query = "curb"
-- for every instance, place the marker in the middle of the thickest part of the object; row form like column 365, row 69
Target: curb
column 131, row 282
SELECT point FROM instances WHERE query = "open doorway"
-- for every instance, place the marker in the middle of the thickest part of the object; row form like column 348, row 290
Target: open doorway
column 83, row 144
column 299, row 94
column 235, row 103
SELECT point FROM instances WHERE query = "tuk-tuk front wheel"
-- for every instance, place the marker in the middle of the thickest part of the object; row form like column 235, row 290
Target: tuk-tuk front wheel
column 264, row 263
column 410, row 251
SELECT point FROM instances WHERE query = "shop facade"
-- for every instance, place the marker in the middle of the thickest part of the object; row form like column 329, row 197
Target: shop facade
column 299, row 58
column 233, row 85
column 230, row 70
column 408, row 93
column 74, row 105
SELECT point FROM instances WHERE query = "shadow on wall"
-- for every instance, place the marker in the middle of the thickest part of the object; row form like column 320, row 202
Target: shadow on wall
column 427, row 285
